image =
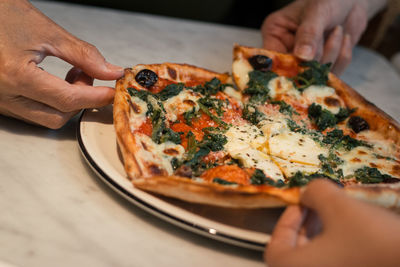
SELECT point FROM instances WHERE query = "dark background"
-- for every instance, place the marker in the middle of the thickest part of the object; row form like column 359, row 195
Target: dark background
column 249, row 13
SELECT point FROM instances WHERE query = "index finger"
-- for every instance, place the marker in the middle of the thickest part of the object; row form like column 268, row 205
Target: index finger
column 43, row 87
column 286, row 232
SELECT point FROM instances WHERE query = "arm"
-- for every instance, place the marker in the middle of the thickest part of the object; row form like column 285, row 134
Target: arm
column 29, row 93
column 345, row 232
column 326, row 30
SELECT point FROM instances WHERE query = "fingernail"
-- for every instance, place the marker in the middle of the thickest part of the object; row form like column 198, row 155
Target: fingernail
column 304, row 52
column 114, row 67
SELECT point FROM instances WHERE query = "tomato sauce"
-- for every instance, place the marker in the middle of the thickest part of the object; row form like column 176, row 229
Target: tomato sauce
column 285, row 66
column 146, row 128
column 230, row 173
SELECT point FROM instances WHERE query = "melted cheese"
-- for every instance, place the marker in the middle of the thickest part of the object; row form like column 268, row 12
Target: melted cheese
column 230, row 91
column 290, row 168
column 320, row 94
column 181, row 103
column 273, row 126
column 360, row 157
column 157, row 154
column 137, row 113
column 241, row 69
column 282, row 85
column 296, row 147
column 242, row 145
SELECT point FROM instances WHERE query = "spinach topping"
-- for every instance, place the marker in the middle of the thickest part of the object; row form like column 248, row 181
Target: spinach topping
column 197, row 150
column 329, row 166
column 222, row 181
column 207, row 111
column 170, row 90
column 301, row 179
column 258, row 85
column 338, row 140
column 210, row 88
column 285, row 108
column 252, row 114
column 190, row 115
column 259, row 178
column 315, row 74
column 369, row 175
column 323, row 118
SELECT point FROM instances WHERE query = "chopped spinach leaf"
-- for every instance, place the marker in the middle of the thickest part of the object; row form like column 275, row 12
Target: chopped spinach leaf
column 338, row 140
column 212, row 103
column 258, row 85
column 222, row 181
column 190, row 115
column 211, row 87
column 252, row 114
column 215, row 118
column 170, row 90
column 368, row 175
column 315, row 74
column 285, row 108
column 323, row 118
column 259, row 178
column 330, row 166
column 301, row 179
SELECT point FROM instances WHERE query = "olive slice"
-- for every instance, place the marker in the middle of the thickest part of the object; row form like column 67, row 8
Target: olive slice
column 358, row 124
column 260, row 62
column 146, row 78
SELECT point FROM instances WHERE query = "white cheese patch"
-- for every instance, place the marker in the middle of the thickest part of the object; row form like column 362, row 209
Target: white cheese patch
column 242, row 145
column 360, row 157
column 282, row 85
column 290, row 168
column 159, row 154
column 319, row 93
column 241, row 69
column 235, row 94
column 181, row 103
column 137, row 113
column 246, row 133
column 296, row 147
column 273, row 126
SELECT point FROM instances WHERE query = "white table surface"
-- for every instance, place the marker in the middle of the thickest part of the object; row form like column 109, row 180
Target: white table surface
column 54, row 211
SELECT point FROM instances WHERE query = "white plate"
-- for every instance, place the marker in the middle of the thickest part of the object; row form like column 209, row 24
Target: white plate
column 242, row 227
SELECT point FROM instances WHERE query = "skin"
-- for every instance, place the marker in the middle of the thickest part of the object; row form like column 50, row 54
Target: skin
column 333, row 229
column 28, row 92
column 325, row 30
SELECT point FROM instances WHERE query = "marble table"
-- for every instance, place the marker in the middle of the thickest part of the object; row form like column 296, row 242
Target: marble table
column 54, row 209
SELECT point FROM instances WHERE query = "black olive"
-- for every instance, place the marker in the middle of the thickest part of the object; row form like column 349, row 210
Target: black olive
column 358, row 124
column 146, row 78
column 260, row 62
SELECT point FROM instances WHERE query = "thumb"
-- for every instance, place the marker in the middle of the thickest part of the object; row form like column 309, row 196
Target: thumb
column 310, row 33
column 87, row 57
column 325, row 198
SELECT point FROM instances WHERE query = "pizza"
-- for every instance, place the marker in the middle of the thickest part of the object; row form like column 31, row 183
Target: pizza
column 254, row 138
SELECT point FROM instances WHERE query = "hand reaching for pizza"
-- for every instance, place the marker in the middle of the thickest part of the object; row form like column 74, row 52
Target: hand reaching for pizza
column 353, row 233
column 326, row 30
column 29, row 93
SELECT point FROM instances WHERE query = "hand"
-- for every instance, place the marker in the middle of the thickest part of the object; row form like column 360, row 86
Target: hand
column 29, row 93
column 325, row 30
column 353, row 233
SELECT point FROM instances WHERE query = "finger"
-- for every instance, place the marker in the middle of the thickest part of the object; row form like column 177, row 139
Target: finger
column 318, row 194
column 311, row 227
column 278, row 32
column 34, row 112
column 332, row 45
column 310, row 32
column 87, row 58
column 356, row 23
column 344, row 57
column 59, row 94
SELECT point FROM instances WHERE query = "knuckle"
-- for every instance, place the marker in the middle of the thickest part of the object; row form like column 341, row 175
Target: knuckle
column 57, row 121
column 88, row 50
